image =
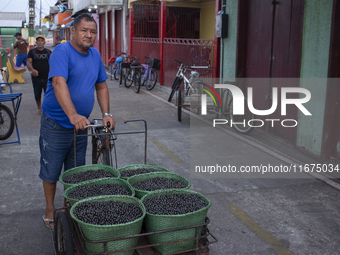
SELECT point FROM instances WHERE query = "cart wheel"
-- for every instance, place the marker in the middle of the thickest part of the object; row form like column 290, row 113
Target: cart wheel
column 62, row 235
column 6, row 122
column 179, row 103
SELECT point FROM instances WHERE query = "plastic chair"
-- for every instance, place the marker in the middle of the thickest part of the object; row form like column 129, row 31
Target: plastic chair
column 14, row 71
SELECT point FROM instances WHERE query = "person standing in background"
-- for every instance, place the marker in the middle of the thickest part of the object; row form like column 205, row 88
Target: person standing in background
column 22, row 45
column 37, row 64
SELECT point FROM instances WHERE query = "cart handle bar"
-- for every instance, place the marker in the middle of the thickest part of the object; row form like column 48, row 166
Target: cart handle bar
column 121, row 133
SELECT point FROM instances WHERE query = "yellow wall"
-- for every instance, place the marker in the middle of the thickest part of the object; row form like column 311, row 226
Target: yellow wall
column 207, row 26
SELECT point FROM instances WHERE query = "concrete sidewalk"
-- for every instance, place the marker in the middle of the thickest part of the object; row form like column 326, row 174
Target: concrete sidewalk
column 248, row 216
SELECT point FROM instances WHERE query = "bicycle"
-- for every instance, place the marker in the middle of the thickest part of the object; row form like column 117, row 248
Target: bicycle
column 133, row 75
column 117, row 72
column 188, row 87
column 103, row 143
column 148, row 73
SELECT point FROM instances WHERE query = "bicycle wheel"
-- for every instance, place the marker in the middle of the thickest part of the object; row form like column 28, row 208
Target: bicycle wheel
column 194, row 85
column 152, row 80
column 6, row 122
column 128, row 79
column 136, row 81
column 121, row 76
column 175, row 86
column 116, row 73
column 179, row 104
column 143, row 77
column 101, row 149
column 241, row 122
column 62, row 235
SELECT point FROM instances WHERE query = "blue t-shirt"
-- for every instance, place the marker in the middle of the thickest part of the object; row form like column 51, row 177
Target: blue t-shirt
column 82, row 72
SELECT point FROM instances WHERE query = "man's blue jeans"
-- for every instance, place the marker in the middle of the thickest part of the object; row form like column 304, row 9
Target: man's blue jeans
column 57, row 149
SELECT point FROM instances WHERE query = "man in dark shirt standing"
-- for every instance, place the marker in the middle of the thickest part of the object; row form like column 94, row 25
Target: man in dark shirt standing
column 37, row 63
column 22, row 45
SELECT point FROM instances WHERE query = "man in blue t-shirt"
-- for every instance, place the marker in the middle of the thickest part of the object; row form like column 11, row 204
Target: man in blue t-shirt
column 76, row 72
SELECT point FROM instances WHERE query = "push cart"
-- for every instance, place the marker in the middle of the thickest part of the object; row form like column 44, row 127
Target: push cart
column 68, row 237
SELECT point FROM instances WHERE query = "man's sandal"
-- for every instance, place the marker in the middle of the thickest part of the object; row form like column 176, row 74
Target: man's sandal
column 47, row 221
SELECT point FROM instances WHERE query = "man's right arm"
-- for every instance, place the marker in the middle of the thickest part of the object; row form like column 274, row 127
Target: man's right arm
column 63, row 96
column 30, row 67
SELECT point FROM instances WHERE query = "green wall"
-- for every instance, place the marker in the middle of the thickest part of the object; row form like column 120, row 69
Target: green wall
column 314, row 70
column 9, row 31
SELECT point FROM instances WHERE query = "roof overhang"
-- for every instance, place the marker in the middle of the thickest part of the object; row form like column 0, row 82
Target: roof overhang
column 79, row 5
column 10, row 23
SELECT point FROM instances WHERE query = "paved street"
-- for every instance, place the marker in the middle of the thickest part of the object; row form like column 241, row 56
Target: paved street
column 248, row 215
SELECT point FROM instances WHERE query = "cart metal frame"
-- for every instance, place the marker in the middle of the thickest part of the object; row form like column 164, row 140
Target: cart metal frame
column 143, row 248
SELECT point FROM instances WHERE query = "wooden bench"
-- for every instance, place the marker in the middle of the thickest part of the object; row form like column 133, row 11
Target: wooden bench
column 14, row 72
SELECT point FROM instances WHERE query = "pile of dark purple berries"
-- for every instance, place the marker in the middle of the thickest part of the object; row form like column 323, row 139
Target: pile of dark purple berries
column 93, row 190
column 174, row 204
column 86, row 176
column 131, row 172
column 158, row 183
column 107, row 213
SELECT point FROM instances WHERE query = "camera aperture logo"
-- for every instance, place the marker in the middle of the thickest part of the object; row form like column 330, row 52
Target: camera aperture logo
column 237, row 105
column 204, row 98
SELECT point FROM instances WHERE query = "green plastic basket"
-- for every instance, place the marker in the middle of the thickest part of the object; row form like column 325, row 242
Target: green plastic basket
column 99, row 232
column 141, row 177
column 136, row 166
column 112, row 180
column 85, row 168
column 155, row 223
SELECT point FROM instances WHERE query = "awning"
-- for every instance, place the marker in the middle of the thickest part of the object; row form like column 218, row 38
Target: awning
column 61, row 18
column 72, row 16
column 70, row 24
column 67, row 18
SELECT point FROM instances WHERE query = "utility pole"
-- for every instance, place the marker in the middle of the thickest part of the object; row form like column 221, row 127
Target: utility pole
column 40, row 30
column 31, row 4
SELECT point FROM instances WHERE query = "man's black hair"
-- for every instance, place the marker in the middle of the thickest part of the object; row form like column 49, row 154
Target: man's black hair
column 84, row 16
column 16, row 34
